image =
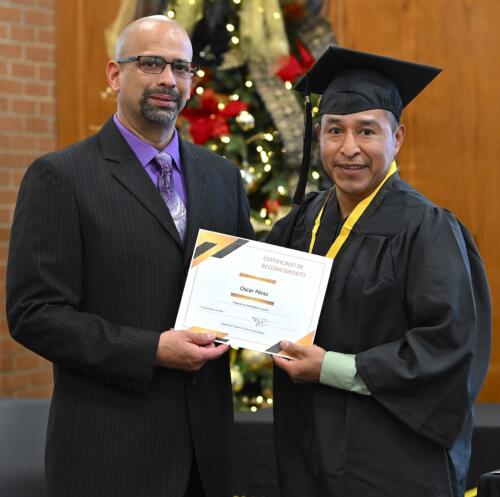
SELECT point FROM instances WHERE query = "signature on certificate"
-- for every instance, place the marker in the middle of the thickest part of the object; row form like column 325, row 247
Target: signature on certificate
column 260, row 322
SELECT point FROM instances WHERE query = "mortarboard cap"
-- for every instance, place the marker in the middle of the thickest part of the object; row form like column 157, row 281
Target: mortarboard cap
column 353, row 81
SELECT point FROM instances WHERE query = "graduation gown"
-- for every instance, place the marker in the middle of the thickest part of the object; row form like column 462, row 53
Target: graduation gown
column 408, row 296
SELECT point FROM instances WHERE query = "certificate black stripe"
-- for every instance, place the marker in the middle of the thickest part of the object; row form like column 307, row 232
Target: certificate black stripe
column 230, row 248
column 275, row 348
column 201, row 249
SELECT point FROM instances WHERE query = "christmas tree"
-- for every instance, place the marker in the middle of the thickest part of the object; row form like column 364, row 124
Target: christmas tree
column 251, row 52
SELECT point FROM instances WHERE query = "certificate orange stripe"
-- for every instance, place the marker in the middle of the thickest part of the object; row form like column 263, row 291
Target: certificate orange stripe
column 305, row 341
column 254, row 299
column 199, row 329
column 259, row 278
column 221, row 241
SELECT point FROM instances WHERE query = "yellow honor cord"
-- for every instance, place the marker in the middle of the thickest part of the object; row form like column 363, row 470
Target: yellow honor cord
column 350, row 221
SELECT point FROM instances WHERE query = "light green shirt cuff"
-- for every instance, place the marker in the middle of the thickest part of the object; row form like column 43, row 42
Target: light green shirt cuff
column 339, row 371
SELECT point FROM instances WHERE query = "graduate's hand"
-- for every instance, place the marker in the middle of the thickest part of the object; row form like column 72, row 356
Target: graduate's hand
column 305, row 367
column 187, row 351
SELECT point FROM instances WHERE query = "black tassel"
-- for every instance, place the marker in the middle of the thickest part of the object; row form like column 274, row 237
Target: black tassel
column 306, row 151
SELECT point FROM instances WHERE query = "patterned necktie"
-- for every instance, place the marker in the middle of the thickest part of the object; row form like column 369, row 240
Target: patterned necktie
column 169, row 193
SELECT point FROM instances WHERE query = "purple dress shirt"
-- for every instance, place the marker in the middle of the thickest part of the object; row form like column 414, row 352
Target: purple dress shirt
column 146, row 153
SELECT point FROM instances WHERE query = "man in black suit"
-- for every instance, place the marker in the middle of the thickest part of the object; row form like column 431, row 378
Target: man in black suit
column 101, row 243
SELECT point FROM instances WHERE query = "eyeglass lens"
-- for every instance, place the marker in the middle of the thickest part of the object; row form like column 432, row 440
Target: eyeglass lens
column 156, row 65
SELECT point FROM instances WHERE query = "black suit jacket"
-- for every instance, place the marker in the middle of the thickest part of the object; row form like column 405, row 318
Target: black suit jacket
column 96, row 271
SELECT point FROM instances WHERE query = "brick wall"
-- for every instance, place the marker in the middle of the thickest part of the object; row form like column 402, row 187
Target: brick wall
column 27, row 130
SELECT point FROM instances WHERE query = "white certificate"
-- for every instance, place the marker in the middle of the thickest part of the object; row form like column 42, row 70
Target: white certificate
column 251, row 294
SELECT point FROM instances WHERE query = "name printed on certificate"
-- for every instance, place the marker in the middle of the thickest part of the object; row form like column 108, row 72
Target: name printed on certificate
column 251, row 294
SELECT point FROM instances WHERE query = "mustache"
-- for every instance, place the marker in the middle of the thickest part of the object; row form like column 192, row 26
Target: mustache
column 161, row 91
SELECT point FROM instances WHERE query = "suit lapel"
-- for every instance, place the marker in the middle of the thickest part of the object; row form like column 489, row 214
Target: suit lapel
column 128, row 171
column 196, row 180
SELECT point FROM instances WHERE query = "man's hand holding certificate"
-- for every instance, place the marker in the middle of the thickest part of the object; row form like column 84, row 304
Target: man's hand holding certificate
column 251, row 294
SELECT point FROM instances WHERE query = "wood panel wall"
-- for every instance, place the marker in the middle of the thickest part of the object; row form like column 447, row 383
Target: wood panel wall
column 82, row 60
column 452, row 148
column 451, row 152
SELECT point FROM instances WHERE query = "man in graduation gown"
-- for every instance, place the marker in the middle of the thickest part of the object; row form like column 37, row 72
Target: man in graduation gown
column 382, row 404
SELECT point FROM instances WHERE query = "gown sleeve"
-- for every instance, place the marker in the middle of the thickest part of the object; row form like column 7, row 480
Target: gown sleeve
column 431, row 375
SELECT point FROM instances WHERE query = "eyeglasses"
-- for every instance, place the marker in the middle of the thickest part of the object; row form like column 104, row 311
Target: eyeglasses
column 154, row 64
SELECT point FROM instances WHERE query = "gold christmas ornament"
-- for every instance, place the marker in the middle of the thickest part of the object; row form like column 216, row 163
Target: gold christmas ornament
column 255, row 360
column 245, row 120
column 263, row 34
column 268, row 392
column 237, row 381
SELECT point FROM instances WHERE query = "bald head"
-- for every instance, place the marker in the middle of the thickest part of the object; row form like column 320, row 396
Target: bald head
column 147, row 27
column 150, row 97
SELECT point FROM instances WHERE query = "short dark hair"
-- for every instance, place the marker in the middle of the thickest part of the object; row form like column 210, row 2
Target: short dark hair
column 392, row 120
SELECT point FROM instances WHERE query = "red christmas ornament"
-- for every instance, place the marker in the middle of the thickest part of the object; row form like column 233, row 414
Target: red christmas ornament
column 233, row 108
column 306, row 59
column 290, row 70
column 201, row 129
column 220, row 127
column 208, row 121
column 293, row 67
column 293, row 11
column 209, row 102
column 272, row 205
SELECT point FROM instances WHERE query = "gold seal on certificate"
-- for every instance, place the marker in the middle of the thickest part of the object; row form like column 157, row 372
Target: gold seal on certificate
column 251, row 294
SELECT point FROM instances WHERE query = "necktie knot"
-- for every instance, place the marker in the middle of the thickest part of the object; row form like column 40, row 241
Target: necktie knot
column 165, row 162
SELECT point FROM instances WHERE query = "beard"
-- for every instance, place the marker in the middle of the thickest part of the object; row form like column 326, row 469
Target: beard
column 160, row 115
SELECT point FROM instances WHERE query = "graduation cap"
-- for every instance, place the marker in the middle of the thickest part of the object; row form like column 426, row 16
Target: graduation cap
column 351, row 81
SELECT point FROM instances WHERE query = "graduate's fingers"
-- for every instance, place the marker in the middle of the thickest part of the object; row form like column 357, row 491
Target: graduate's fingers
column 292, row 349
column 282, row 363
column 306, row 368
column 290, row 366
